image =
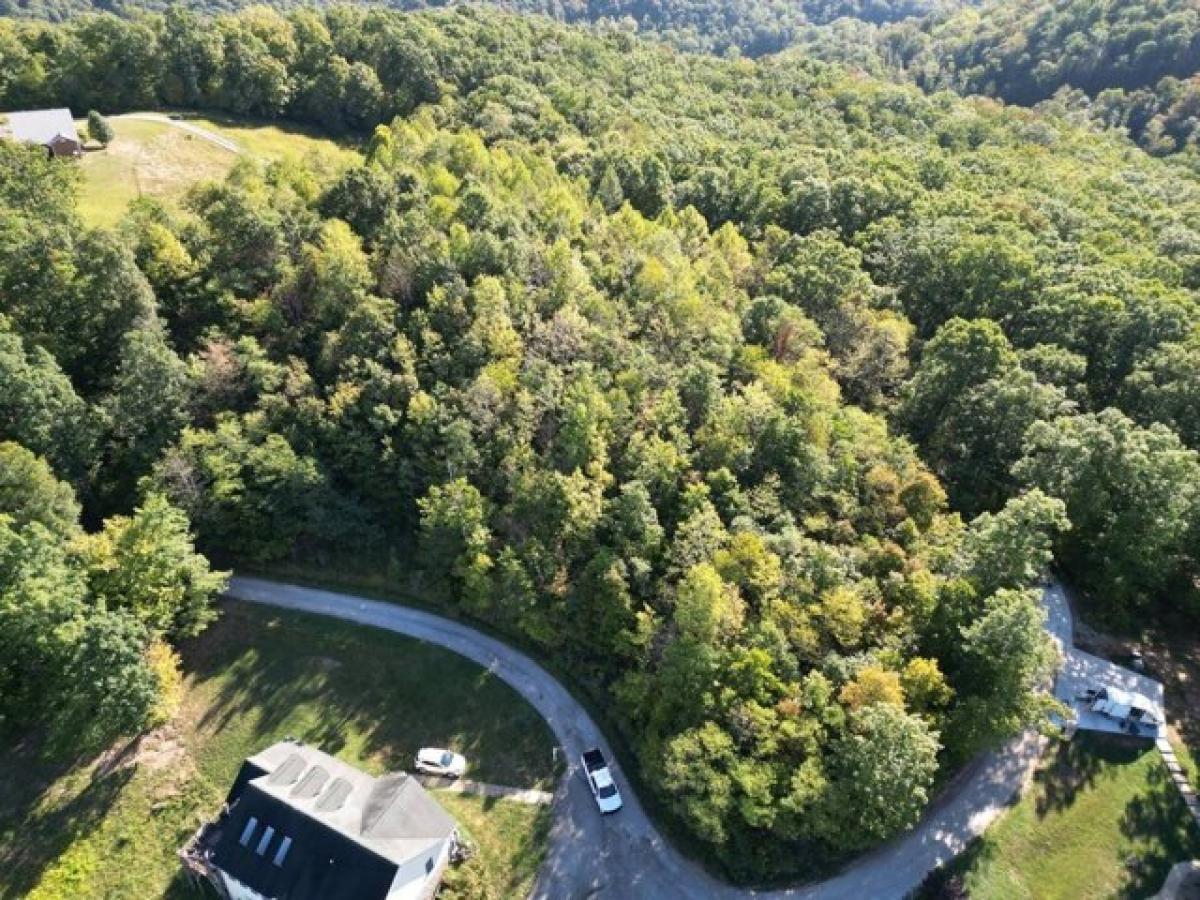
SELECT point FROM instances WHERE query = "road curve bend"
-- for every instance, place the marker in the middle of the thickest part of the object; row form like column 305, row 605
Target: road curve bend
column 623, row 856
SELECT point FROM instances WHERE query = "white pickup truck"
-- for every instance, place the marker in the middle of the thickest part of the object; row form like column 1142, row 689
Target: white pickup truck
column 600, row 780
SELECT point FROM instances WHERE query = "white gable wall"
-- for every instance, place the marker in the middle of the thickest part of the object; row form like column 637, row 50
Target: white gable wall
column 412, row 881
column 237, row 890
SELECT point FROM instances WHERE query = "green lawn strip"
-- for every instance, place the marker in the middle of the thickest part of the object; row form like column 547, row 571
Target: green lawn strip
column 370, row 696
column 272, row 141
column 1101, row 820
column 112, row 828
column 107, row 186
column 510, row 841
column 1187, row 760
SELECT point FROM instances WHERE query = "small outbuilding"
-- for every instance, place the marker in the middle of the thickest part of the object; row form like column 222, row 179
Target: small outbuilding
column 299, row 824
column 53, row 129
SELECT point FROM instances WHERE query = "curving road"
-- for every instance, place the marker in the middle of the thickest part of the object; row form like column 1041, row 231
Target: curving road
column 623, row 856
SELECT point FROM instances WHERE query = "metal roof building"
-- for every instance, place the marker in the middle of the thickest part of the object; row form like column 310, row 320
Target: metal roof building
column 53, row 129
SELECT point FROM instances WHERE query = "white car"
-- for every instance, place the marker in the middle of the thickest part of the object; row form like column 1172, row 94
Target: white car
column 436, row 761
column 600, row 780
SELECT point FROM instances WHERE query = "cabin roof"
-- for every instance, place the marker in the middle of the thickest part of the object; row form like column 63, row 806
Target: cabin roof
column 39, row 126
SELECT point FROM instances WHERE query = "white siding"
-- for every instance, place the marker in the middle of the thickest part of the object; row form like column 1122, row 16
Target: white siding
column 412, row 882
column 239, row 891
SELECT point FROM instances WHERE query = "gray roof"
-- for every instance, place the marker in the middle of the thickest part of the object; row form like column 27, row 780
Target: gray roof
column 393, row 816
column 38, row 126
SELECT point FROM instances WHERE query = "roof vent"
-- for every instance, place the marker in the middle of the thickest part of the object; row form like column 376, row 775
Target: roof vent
column 289, row 771
column 312, row 782
column 335, row 795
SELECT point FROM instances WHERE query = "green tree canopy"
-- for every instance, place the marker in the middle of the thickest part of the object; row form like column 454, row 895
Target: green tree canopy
column 1131, row 495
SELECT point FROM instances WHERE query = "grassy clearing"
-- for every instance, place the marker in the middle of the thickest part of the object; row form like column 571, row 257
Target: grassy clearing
column 273, row 142
column 111, row 828
column 160, row 160
column 147, row 159
column 1101, row 820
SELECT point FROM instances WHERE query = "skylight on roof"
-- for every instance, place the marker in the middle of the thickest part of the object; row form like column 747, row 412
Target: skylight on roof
column 281, row 854
column 289, row 771
column 264, row 840
column 312, row 782
column 248, row 831
column 335, row 795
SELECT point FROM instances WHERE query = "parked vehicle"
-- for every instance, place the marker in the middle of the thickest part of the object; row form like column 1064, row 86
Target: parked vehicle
column 600, row 780
column 437, row 761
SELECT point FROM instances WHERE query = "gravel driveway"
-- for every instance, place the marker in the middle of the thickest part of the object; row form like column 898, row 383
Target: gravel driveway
column 623, row 856
column 203, row 133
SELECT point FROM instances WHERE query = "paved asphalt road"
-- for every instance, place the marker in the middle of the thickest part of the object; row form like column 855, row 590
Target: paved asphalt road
column 622, row 856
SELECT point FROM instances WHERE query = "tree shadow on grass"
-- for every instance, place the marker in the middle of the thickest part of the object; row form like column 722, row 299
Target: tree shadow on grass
column 184, row 888
column 1077, row 764
column 34, row 829
column 326, row 682
column 533, row 850
column 948, row 882
column 1158, row 821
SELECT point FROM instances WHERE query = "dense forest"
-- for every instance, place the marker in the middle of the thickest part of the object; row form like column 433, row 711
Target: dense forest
column 1124, row 65
column 1130, row 66
column 1024, row 52
column 1136, row 62
column 758, row 393
column 753, row 27
column 87, row 619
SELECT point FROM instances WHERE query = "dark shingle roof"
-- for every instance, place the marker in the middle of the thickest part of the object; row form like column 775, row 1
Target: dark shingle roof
column 320, row 863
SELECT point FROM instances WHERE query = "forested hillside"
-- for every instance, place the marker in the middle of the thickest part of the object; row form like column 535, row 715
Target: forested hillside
column 756, row 393
column 752, row 26
column 86, row 619
column 1024, row 52
column 1130, row 65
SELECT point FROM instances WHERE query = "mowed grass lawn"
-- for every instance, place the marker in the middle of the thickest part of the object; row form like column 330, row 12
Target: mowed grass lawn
column 156, row 159
column 279, row 141
column 1101, row 820
column 110, row 828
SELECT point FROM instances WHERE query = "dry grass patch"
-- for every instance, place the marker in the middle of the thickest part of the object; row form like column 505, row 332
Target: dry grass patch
column 147, row 159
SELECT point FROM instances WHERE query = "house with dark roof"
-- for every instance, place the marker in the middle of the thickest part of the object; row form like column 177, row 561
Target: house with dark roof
column 299, row 824
column 53, row 129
